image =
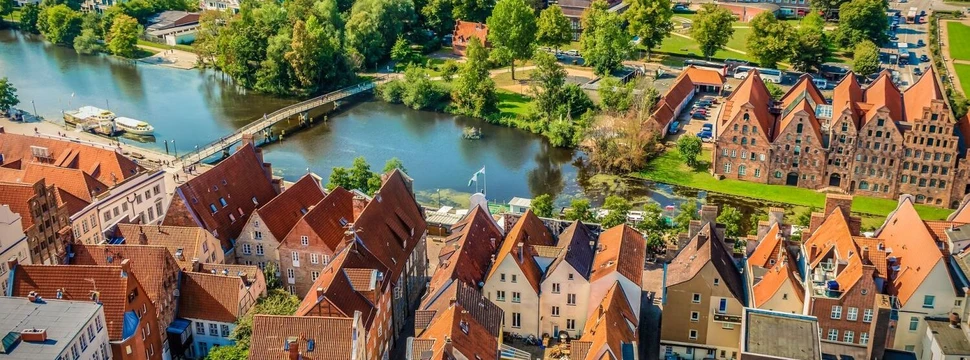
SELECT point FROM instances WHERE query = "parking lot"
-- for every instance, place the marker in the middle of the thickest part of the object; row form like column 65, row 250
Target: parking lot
column 689, row 124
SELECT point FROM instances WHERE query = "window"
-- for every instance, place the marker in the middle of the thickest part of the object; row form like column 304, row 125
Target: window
column 853, row 314
column 570, row 276
column 74, row 353
column 199, row 328
column 516, row 320
column 867, row 315
column 928, row 301
column 84, row 342
column 717, row 281
column 722, row 306
column 314, row 259
column 833, row 334
column 836, row 312
column 696, row 299
column 555, row 311
column 290, row 273
column 516, row 296
column 91, row 332
column 314, row 275
column 501, row 277
column 692, row 335
column 222, row 201
column 913, row 323
column 863, row 338
column 500, row 295
column 213, row 329
column 258, row 235
column 571, row 299
column 555, row 288
column 695, row 316
column 515, row 278
column 259, row 249
column 727, row 168
column 304, row 240
column 224, row 330
column 848, row 337
column 570, row 324
column 212, row 208
column 247, row 249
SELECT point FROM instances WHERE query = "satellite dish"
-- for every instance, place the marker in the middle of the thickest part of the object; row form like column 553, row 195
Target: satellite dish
column 477, row 199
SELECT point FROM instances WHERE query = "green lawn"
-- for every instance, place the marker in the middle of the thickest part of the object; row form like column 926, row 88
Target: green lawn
column 669, row 168
column 963, row 73
column 740, row 39
column 512, row 104
column 680, row 46
column 959, row 36
column 155, row 45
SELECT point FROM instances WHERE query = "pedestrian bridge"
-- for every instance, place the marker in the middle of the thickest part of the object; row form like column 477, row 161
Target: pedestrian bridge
column 261, row 126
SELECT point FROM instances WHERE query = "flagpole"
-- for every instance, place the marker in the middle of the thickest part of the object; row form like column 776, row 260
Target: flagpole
column 484, row 182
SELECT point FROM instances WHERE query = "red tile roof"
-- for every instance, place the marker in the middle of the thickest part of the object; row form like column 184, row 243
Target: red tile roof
column 467, row 253
column 283, row 212
column 833, row 234
column 107, row 166
column 189, row 241
column 621, row 249
column 73, row 181
column 883, row 92
column 322, row 224
column 465, row 30
column 528, row 231
column 919, row 96
column 213, row 297
column 333, row 337
column 913, row 246
column 678, row 92
column 241, row 181
column 611, row 325
column 467, row 337
column 154, row 266
column 751, row 94
column 700, row 76
column 803, row 89
column 17, row 196
column 768, row 249
column 338, row 297
column 773, row 280
column 962, row 213
column 847, row 94
column 802, row 108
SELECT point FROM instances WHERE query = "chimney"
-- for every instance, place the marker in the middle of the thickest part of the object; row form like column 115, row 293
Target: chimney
column 776, row 216
column 882, row 327
column 33, row 297
column 125, row 266
column 838, row 202
column 293, row 347
column 448, row 346
column 708, row 214
column 196, row 266
column 12, row 262
column 521, row 248
column 2, row 131
column 954, row 320
column 248, row 139
column 34, row 335
column 142, row 238
column 359, row 202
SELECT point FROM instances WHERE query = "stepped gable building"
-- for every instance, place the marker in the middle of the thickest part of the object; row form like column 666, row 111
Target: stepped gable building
column 45, row 220
column 876, row 141
column 221, row 199
column 130, row 314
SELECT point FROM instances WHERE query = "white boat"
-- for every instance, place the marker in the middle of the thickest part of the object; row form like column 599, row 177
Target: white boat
column 88, row 113
column 133, row 126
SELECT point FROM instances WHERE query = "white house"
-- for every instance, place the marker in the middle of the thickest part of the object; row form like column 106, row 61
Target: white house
column 565, row 287
column 13, row 243
column 620, row 255
column 142, row 199
column 519, row 205
column 53, row 329
column 214, row 301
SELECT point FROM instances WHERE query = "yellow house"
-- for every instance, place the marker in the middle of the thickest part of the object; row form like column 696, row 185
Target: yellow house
column 773, row 269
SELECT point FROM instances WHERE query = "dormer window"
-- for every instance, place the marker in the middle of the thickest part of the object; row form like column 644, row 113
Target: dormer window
column 212, row 207
column 222, row 201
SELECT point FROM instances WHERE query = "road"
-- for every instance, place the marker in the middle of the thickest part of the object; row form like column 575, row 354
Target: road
column 911, row 34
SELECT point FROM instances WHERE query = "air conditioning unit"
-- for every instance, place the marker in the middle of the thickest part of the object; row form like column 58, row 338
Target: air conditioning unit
column 40, row 152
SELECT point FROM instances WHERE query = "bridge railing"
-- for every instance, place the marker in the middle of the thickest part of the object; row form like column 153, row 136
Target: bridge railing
column 281, row 114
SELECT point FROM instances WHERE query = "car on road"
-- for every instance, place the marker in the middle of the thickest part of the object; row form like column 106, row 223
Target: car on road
column 572, row 52
column 705, row 135
column 920, row 42
column 917, row 71
column 924, row 58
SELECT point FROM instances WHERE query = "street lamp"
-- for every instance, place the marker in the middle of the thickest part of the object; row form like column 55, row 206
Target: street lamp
column 175, row 148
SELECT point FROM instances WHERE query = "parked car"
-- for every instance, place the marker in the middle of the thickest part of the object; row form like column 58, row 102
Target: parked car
column 712, row 99
column 697, row 115
column 705, row 134
column 920, row 42
column 917, row 71
column 701, row 111
column 924, row 58
column 674, row 126
column 707, row 127
column 572, row 52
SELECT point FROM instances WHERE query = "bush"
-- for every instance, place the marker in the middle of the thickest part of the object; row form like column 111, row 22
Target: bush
column 391, row 91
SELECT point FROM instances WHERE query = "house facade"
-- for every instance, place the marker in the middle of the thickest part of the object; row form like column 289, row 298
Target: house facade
column 140, row 199
column 231, row 291
column 13, row 242
column 44, row 219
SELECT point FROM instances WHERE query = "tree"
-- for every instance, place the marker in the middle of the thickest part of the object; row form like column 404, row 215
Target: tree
column 374, row 25
column 771, row 40
column 542, row 205
column 437, row 16
column 316, row 55
column 804, row 218
column 811, row 44
column 618, row 208
column 394, row 163
column 272, row 280
column 473, row 93
column 61, row 24
column 123, row 38
column 28, row 18
column 548, row 80
column 207, row 36
column 712, row 28
column 603, row 42
column 654, row 221
column 865, row 60
column 401, row 51
column 615, row 96
column 141, row 10
column 689, row 147
column 730, row 217
column 472, row 10
column 650, row 20
column 579, row 209
column 8, row 95
column 227, row 352
column 826, row 7
column 512, row 29
column 276, row 302
column 554, row 29
column 448, row 70
column 775, row 91
column 357, row 177
column 419, row 91
column 87, row 43
column 861, row 20
column 275, row 74
column 687, row 213
column 6, row 7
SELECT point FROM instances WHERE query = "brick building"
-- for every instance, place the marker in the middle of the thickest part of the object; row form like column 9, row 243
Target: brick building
column 45, row 219
column 875, row 141
column 311, row 243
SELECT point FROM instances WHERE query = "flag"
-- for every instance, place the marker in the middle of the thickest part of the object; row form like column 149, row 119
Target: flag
column 474, row 178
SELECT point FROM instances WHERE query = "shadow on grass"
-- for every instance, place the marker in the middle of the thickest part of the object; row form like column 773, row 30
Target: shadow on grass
column 513, row 104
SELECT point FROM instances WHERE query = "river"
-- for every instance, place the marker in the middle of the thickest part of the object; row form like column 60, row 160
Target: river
column 193, row 107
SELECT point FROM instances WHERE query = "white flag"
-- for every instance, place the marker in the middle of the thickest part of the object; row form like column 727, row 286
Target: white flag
column 474, row 178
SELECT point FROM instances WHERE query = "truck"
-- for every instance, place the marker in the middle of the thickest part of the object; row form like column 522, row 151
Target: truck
column 913, row 15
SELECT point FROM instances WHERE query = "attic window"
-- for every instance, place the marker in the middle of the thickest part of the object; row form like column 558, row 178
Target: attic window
column 255, row 202
column 215, row 187
column 224, row 183
column 195, row 201
column 222, row 201
column 717, row 281
column 343, row 222
column 309, row 345
column 464, row 326
column 212, row 207
column 303, row 211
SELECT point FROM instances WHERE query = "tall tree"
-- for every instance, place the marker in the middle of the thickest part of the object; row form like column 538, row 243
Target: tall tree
column 512, row 30
column 542, row 205
column 618, row 208
column 227, row 352
column 603, row 42
column 615, row 96
column 6, row 7
column 141, row 10
column 650, row 20
column 123, row 38
column 473, row 10
column 61, row 24
column 865, row 59
column 811, row 44
column 826, row 7
column 861, row 20
column 437, row 16
column 316, row 55
column 548, row 80
column 394, row 164
column 580, row 210
column 771, row 40
column 555, row 29
column 29, row 14
column 687, row 212
column 206, row 42
column 473, row 93
column 712, row 28
column 275, row 74
column 730, row 217
column 689, row 147
column 8, row 95
column 374, row 25
column 87, row 43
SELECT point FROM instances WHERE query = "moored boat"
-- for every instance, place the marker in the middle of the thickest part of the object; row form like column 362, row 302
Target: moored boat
column 136, row 127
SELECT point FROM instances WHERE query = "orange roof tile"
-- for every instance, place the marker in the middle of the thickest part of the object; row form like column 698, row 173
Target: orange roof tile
column 847, row 94
column 962, row 213
column 467, row 253
column 213, row 297
column 189, row 241
column 465, row 30
column 333, row 337
column 773, row 280
column 706, row 248
column 338, row 297
column 283, row 212
column 883, row 92
column 768, row 249
column 153, row 265
column 751, row 93
column 17, row 196
column 913, row 247
column 467, row 337
column 528, row 231
column 621, row 249
column 833, row 234
column 611, row 325
column 107, row 166
column 923, row 92
column 803, row 89
column 700, row 76
column 322, row 225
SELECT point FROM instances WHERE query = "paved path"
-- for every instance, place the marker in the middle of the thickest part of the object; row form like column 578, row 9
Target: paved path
column 173, row 58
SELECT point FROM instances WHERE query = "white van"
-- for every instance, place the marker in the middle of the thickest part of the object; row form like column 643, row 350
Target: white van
column 820, row 83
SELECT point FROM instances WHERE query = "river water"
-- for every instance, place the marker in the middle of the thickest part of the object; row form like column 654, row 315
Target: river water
column 193, row 107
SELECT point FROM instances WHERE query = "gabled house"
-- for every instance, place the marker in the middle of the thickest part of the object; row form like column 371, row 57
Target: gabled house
column 13, row 242
column 213, row 300
column 221, row 199
column 611, row 330
column 307, row 338
column 565, row 292
column 188, row 245
column 44, row 219
column 313, row 240
column 269, row 224
column 743, row 143
column 129, row 312
column 620, row 255
column 774, row 270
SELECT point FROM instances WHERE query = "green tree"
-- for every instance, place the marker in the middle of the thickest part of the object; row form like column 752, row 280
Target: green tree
column 548, row 80
column 512, row 30
column 579, row 209
column 554, row 29
column 473, row 10
column 227, row 352
column 401, row 51
column 419, row 91
column 775, row 91
column 374, row 25
column 28, row 18
column 771, row 40
column 650, row 20
column 712, row 28
column 437, row 16
column 316, row 55
column 276, row 302
column 123, row 38
column 6, row 7
column 542, row 205
column 61, row 24
column 615, row 96
column 865, row 60
column 87, row 43
column 141, row 10
column 8, row 95
column 618, row 208
column 394, row 163
column 811, row 47
column 473, row 93
column 275, row 74
column 654, row 221
column 603, row 42
column 687, row 213
column 804, row 218
column 730, row 217
column 689, row 147
column 207, row 36
column 826, row 7
column 272, row 280
column 448, row 70
column 861, row 20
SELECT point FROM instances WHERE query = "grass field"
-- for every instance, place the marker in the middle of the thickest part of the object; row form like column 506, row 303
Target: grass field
column 684, row 47
column 669, row 168
column 513, row 104
column 959, row 36
column 740, row 39
column 963, row 72
column 155, row 45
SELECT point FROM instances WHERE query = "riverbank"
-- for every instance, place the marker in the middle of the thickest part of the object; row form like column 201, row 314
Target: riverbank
column 669, row 168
